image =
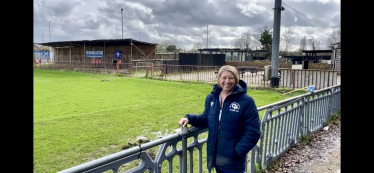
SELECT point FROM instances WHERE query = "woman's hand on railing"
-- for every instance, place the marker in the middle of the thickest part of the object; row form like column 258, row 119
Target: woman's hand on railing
column 183, row 122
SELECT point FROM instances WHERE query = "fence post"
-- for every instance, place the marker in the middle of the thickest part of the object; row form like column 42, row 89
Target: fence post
column 253, row 160
column 320, row 79
column 331, row 102
column 165, row 70
column 282, row 71
column 306, row 122
column 163, row 73
column 293, row 79
column 305, row 79
column 299, row 73
column 308, row 77
column 288, row 83
column 263, row 79
column 146, row 71
column 184, row 152
column 197, row 73
column 117, row 67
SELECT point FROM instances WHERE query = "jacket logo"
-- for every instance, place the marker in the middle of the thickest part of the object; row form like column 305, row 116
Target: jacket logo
column 211, row 103
column 234, row 107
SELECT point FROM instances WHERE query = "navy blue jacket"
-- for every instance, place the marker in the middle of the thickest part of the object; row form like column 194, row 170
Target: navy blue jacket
column 230, row 139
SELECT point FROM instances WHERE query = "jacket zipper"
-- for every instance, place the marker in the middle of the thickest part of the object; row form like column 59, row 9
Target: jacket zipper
column 219, row 125
column 216, row 142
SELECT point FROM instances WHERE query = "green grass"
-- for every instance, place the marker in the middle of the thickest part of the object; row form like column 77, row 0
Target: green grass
column 79, row 117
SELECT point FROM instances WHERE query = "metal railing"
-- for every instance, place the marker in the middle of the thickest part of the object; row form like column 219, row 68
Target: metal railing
column 289, row 78
column 90, row 67
column 285, row 122
column 282, row 126
column 259, row 77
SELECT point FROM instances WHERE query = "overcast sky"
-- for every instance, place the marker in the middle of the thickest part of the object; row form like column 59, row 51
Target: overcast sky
column 182, row 22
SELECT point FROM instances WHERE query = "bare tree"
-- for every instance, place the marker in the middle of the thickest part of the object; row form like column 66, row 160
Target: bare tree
column 238, row 42
column 243, row 42
column 256, row 44
column 287, row 39
column 246, row 39
column 314, row 43
column 197, row 45
column 334, row 38
column 302, row 44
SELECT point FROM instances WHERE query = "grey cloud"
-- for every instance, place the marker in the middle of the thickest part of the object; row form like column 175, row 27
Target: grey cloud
column 317, row 11
column 61, row 8
column 91, row 24
column 178, row 18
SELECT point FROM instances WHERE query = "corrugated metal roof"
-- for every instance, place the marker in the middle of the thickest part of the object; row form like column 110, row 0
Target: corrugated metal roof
column 99, row 42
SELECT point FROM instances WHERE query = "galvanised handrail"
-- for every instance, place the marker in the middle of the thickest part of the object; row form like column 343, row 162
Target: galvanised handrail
column 285, row 122
column 282, row 125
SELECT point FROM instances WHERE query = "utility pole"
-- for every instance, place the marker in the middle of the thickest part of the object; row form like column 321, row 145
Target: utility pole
column 207, row 43
column 140, row 35
column 275, row 47
column 49, row 31
column 49, row 41
column 122, row 21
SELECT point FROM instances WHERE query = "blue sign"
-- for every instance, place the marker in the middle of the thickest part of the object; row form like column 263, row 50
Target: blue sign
column 43, row 54
column 95, row 53
column 311, row 88
column 118, row 54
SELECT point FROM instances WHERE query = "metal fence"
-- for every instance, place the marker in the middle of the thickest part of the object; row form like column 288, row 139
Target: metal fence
column 90, row 67
column 285, row 122
column 283, row 125
column 191, row 73
column 289, row 78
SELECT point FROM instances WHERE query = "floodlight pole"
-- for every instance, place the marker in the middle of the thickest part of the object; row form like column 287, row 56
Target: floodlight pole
column 275, row 46
column 49, row 31
column 122, row 21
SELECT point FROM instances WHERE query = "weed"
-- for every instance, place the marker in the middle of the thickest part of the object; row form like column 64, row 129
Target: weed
column 306, row 140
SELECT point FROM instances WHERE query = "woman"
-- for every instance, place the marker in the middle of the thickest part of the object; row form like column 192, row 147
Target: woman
column 232, row 120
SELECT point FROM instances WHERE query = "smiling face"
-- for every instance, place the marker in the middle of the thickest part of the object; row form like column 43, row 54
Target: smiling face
column 227, row 81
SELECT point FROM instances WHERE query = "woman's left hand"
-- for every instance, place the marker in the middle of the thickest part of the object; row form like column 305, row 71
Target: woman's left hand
column 183, row 122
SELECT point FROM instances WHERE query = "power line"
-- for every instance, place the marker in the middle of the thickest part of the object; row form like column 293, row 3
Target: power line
column 313, row 20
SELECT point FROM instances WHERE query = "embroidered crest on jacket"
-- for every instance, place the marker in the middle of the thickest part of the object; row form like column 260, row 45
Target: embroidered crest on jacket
column 234, row 107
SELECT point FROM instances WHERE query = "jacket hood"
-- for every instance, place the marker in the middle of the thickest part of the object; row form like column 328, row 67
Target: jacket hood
column 240, row 88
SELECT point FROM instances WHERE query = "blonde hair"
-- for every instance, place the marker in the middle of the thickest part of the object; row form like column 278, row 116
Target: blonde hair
column 230, row 69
